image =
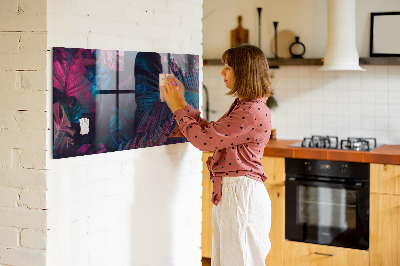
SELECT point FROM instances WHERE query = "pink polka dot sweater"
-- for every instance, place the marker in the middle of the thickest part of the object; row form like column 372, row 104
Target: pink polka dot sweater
column 238, row 139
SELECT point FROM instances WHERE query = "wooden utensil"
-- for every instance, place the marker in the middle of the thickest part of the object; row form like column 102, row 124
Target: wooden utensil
column 239, row 35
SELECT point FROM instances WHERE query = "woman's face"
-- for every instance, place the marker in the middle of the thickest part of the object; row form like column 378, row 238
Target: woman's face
column 229, row 76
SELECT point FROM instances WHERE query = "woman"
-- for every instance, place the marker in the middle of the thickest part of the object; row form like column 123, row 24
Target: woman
column 242, row 211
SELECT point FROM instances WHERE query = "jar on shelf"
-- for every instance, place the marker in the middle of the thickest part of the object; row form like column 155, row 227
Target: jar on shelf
column 297, row 49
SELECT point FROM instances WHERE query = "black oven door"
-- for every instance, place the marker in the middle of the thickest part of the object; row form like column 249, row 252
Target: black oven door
column 327, row 212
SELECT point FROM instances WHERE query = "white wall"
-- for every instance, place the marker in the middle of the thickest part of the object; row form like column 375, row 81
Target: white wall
column 136, row 207
column 304, row 18
column 311, row 102
column 23, row 132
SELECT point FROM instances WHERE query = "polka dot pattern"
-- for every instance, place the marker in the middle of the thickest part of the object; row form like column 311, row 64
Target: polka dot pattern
column 238, row 139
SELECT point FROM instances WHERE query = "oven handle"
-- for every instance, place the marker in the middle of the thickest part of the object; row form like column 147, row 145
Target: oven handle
column 357, row 185
column 324, row 254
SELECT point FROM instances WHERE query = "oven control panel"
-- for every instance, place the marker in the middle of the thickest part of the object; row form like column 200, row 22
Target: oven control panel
column 338, row 169
column 325, row 167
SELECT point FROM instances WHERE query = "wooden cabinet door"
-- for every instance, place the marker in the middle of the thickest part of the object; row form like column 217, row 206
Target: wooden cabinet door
column 305, row 254
column 277, row 233
column 206, row 226
column 385, row 178
column 384, row 236
column 274, row 168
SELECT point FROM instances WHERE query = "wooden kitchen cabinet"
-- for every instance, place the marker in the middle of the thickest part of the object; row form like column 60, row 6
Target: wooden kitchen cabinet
column 277, row 233
column 305, row 254
column 206, row 225
column 384, row 236
column 274, row 168
column 385, row 178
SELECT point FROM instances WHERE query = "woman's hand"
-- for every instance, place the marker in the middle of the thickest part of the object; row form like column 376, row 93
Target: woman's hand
column 181, row 91
column 174, row 94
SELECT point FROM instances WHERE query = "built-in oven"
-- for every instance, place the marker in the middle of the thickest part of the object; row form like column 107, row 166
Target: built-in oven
column 327, row 202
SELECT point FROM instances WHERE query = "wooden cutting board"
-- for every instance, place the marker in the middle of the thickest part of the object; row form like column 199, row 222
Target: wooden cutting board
column 239, row 35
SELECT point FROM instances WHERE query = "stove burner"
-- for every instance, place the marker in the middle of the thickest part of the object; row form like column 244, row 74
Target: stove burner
column 358, row 144
column 332, row 142
column 328, row 142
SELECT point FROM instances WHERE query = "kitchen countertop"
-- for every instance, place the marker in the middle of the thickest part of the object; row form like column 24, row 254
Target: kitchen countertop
column 389, row 154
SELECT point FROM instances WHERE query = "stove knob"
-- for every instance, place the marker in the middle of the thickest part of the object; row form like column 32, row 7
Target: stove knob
column 308, row 166
column 343, row 168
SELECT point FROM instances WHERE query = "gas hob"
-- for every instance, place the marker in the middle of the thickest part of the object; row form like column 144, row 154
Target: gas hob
column 332, row 142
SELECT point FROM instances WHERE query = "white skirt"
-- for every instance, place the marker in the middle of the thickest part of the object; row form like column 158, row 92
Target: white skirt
column 241, row 223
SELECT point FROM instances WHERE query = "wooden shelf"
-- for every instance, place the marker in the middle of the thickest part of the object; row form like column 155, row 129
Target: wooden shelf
column 380, row 61
column 212, row 62
column 274, row 63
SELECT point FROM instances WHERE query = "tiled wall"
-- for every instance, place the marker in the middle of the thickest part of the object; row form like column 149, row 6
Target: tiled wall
column 313, row 102
column 344, row 103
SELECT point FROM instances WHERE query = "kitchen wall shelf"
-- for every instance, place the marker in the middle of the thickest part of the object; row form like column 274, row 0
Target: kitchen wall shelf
column 380, row 61
column 274, row 63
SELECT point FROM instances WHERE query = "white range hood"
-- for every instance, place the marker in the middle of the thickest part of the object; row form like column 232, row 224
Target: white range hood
column 341, row 51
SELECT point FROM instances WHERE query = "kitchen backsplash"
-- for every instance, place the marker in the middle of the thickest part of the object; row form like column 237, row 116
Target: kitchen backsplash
column 314, row 102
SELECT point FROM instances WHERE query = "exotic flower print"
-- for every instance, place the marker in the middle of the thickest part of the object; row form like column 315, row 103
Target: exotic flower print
column 105, row 100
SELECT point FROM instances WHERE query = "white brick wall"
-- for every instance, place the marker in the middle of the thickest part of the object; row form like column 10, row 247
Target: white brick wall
column 24, row 256
column 33, row 239
column 100, row 206
column 9, row 237
column 23, row 178
column 23, row 132
column 136, row 207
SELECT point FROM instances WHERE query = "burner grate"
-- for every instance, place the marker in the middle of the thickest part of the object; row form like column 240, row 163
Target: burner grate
column 327, row 142
column 358, row 144
column 332, row 142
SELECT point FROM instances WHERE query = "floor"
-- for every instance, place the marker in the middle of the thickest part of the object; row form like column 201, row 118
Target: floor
column 206, row 261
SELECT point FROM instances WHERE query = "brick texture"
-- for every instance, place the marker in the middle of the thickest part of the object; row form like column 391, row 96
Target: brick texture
column 33, row 199
column 102, row 192
column 33, row 239
column 23, row 65
column 8, row 197
column 9, row 237
column 23, row 218
column 18, row 256
column 89, row 197
column 23, row 178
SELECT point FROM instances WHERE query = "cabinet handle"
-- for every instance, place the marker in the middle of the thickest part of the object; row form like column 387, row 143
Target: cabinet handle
column 325, row 254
